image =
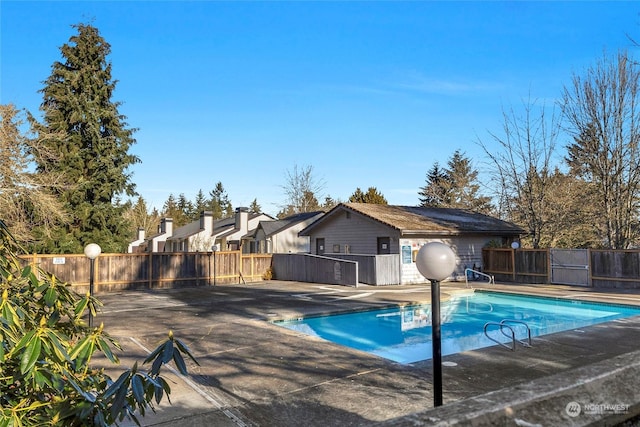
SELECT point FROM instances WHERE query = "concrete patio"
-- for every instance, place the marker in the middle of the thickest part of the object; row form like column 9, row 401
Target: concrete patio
column 255, row 373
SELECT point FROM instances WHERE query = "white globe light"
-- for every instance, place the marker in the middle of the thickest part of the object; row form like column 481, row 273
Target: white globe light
column 436, row 261
column 92, row 250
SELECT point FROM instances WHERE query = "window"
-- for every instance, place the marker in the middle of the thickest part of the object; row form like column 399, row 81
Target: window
column 336, row 249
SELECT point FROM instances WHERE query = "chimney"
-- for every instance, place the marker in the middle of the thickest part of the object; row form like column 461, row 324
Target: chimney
column 166, row 226
column 206, row 220
column 242, row 220
column 140, row 233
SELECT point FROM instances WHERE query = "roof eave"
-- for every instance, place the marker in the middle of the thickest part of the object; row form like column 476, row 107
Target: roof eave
column 459, row 232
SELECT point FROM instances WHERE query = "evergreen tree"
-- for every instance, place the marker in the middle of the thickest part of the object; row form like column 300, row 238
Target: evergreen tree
column 171, row 210
column 454, row 187
column 434, row 193
column 329, row 203
column 93, row 145
column 186, row 209
column 200, row 204
column 371, row 196
column 219, row 204
column 255, row 207
column 462, row 186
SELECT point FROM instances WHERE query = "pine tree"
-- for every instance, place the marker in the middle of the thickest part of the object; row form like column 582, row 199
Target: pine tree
column 171, row 210
column 94, row 146
column 329, row 203
column 462, row 185
column 255, row 207
column 219, row 204
column 200, row 204
column 434, row 193
column 371, row 196
column 186, row 208
column 455, row 187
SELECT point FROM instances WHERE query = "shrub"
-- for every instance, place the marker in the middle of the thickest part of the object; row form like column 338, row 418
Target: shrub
column 46, row 348
column 269, row 274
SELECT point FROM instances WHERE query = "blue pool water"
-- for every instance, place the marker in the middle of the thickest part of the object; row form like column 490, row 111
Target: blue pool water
column 403, row 334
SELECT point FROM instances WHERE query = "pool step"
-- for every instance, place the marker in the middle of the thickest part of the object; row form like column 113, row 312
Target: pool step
column 504, row 324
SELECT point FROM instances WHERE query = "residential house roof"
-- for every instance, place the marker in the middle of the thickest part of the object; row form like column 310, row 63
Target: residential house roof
column 420, row 220
column 228, row 229
column 186, row 231
column 272, row 227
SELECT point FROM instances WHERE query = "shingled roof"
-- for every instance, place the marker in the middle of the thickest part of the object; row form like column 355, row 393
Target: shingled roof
column 420, row 220
column 272, row 227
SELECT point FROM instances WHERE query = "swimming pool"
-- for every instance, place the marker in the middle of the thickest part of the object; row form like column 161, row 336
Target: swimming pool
column 403, row 334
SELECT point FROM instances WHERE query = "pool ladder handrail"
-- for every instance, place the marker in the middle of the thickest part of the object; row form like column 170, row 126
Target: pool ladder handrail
column 502, row 325
column 492, row 280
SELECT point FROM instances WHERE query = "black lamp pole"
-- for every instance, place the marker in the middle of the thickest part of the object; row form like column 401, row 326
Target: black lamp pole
column 91, row 251
column 436, row 261
column 91, row 273
column 436, row 342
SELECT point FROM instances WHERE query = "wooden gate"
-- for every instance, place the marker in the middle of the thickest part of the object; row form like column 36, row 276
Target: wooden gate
column 570, row 267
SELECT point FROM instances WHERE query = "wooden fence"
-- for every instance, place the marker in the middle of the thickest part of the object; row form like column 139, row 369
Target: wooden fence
column 521, row 265
column 606, row 268
column 115, row 272
column 615, row 268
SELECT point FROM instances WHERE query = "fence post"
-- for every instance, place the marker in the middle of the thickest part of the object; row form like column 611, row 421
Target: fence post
column 549, row 269
column 150, row 273
column 589, row 269
column 97, row 272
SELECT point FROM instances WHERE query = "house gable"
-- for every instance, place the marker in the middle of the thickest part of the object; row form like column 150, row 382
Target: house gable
column 346, row 230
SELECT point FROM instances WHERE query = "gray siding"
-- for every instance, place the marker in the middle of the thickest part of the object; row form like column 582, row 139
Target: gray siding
column 314, row 269
column 375, row 269
column 288, row 241
column 359, row 233
column 468, row 250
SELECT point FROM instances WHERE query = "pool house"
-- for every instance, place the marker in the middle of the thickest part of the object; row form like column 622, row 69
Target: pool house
column 392, row 235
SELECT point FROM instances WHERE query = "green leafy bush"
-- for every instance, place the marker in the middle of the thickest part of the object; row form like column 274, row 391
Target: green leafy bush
column 46, row 348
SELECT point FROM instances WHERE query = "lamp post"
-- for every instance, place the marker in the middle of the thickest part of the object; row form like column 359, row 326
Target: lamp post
column 214, row 249
column 92, row 251
column 436, row 261
column 209, row 270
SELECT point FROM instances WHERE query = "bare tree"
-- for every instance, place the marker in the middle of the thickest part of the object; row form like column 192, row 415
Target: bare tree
column 522, row 165
column 302, row 190
column 602, row 109
column 139, row 216
column 26, row 205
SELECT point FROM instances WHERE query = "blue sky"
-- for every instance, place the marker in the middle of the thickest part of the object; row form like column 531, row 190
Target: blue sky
column 368, row 93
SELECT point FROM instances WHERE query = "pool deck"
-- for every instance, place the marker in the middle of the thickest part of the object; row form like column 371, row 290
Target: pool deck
column 254, row 373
